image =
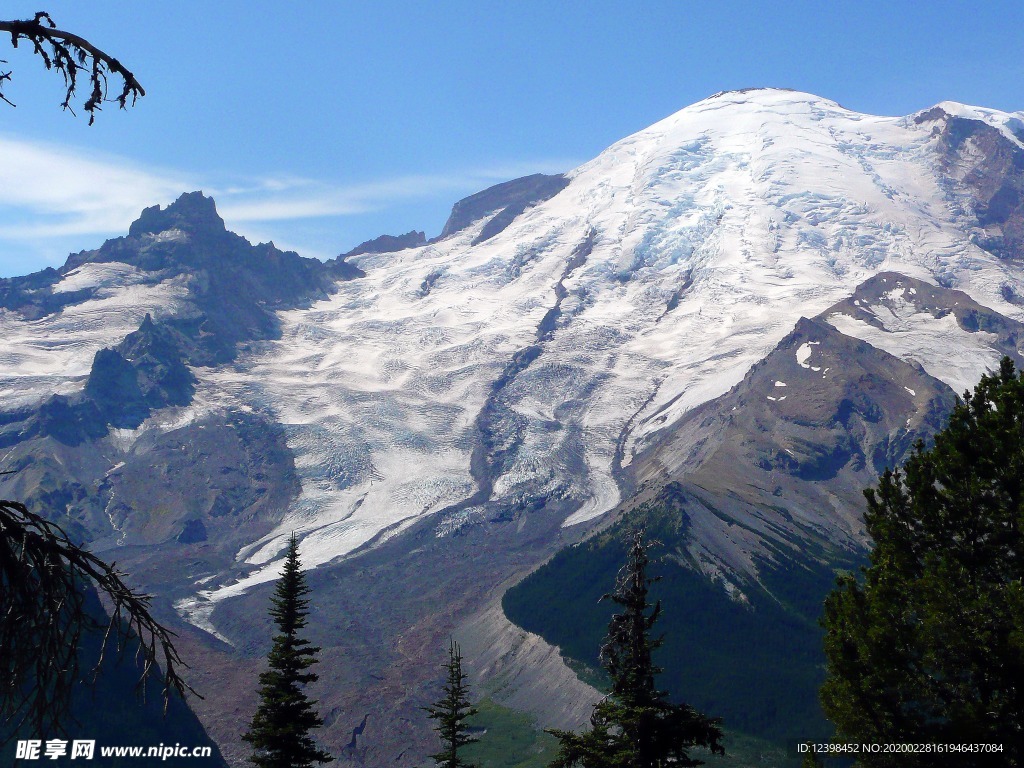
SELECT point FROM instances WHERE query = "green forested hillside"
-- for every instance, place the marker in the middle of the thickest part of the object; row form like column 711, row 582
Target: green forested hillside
column 757, row 664
column 508, row 739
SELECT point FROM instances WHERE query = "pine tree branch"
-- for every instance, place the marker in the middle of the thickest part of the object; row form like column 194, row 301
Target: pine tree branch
column 70, row 54
column 43, row 617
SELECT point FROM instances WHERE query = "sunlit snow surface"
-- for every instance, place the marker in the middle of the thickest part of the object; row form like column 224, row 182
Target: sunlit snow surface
column 944, row 349
column 715, row 230
column 53, row 354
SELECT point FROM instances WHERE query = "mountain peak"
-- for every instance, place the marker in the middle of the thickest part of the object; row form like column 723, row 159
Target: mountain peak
column 192, row 212
column 765, row 97
column 504, row 202
column 757, row 90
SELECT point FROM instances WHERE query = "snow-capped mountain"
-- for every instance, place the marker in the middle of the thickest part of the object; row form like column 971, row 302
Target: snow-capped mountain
column 763, row 299
column 536, row 363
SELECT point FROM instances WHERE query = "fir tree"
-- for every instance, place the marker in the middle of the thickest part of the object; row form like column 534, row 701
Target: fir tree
column 635, row 726
column 928, row 646
column 279, row 731
column 451, row 712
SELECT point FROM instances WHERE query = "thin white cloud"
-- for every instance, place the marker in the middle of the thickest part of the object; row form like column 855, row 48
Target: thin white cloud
column 73, row 192
column 282, row 209
column 50, row 194
column 298, row 199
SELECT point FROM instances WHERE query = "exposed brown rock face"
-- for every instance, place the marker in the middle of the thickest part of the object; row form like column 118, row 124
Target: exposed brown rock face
column 784, row 455
column 990, row 167
column 502, row 202
column 388, row 243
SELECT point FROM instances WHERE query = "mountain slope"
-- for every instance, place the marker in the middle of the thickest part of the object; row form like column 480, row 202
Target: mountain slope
column 783, row 456
column 436, row 420
column 537, row 363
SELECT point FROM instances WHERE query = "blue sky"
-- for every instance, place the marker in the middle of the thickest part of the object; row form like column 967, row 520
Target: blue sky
column 322, row 127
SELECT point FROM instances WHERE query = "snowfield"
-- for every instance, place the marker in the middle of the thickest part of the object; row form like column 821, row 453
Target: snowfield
column 944, row 349
column 713, row 231
column 53, row 355
column 537, row 363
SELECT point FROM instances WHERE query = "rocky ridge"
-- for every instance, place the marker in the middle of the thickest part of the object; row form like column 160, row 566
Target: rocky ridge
column 757, row 302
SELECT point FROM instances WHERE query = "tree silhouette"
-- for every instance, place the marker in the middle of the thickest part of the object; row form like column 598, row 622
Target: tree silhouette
column 635, row 726
column 928, row 646
column 72, row 55
column 43, row 574
column 279, row 731
column 43, row 616
column 451, row 712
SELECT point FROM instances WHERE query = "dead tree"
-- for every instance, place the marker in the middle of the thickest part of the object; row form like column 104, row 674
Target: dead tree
column 72, row 56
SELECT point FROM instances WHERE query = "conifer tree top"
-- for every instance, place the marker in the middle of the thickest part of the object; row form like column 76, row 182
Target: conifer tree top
column 635, row 725
column 928, row 646
column 451, row 712
column 279, row 732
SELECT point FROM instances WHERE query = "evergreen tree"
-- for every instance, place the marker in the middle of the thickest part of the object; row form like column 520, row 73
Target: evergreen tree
column 451, row 712
column 279, row 731
column 635, row 726
column 928, row 647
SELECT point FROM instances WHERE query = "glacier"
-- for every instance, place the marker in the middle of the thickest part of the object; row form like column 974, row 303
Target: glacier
column 534, row 365
column 706, row 237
